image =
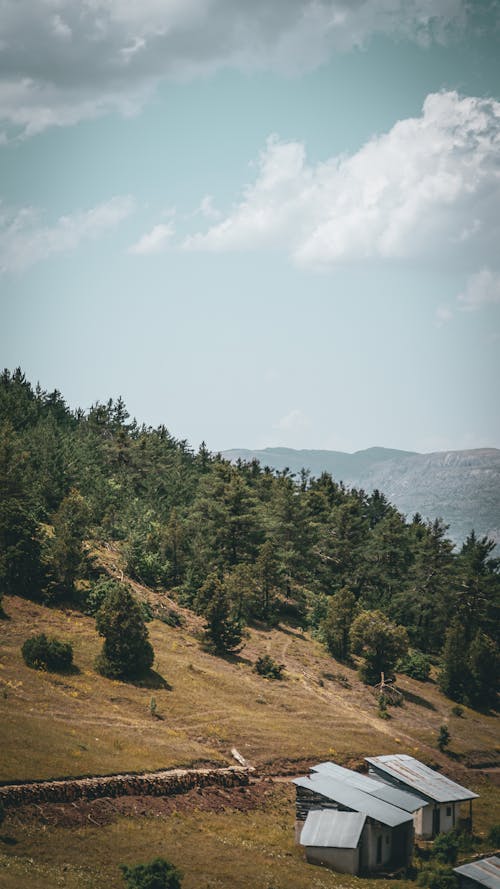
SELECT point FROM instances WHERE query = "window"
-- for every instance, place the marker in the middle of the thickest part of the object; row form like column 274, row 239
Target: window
column 448, row 811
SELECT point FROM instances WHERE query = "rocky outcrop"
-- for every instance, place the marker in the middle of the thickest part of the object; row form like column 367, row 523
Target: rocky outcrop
column 166, row 783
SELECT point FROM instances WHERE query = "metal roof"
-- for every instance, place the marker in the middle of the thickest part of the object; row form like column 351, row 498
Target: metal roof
column 415, row 775
column 352, row 798
column 486, row 871
column 409, row 802
column 332, row 829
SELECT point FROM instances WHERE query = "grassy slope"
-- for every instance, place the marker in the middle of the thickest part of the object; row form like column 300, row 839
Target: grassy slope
column 81, row 724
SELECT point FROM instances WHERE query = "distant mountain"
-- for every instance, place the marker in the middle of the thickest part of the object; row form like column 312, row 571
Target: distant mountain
column 462, row 487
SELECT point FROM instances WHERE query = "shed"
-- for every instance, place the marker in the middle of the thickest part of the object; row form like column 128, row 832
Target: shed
column 479, row 874
column 409, row 802
column 332, row 839
column 387, row 839
column 442, row 797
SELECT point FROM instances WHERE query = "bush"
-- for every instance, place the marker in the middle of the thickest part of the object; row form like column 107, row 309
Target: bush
column 41, row 652
column 97, row 594
column 445, row 848
column 494, row 836
column 266, row 666
column 158, row 874
column 438, row 878
column 416, row 665
column 444, row 738
column 170, row 616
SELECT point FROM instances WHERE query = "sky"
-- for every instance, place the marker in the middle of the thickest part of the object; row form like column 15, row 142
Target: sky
column 261, row 224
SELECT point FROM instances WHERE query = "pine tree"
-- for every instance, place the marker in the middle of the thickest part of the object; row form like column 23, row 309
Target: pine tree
column 222, row 631
column 453, row 676
column 126, row 652
column 379, row 642
column 338, row 621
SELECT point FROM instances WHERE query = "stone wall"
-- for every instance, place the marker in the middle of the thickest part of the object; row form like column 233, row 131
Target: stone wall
column 153, row 784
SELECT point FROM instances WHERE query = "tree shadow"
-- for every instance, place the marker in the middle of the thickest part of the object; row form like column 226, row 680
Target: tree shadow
column 418, row 700
column 7, row 840
column 151, row 680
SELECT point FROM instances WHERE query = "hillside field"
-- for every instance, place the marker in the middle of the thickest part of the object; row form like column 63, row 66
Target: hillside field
column 82, row 724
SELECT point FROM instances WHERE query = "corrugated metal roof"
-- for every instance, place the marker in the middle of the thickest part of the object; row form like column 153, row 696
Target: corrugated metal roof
column 409, row 802
column 486, row 871
column 417, row 776
column 353, row 798
column 332, row 829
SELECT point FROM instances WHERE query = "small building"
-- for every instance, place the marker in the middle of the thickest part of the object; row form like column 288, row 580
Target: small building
column 441, row 811
column 332, row 839
column 383, row 834
column 483, row 874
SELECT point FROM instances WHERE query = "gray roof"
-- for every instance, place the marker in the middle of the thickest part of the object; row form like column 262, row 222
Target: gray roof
column 420, row 778
column 486, row 871
column 352, row 798
column 332, row 829
column 409, row 802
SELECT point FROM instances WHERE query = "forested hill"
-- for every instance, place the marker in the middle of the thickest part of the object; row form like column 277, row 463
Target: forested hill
column 462, row 487
column 236, row 543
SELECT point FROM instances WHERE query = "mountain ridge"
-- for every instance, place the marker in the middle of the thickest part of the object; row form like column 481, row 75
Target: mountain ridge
column 460, row 486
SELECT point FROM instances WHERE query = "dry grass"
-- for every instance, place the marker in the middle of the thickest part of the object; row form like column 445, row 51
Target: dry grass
column 55, row 725
column 80, row 724
column 253, row 850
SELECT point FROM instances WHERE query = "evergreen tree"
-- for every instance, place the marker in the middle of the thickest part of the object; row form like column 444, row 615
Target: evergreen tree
column 222, row 631
column 453, row 677
column 484, row 666
column 337, row 624
column 126, row 652
column 379, row 642
column 65, row 548
column 21, row 570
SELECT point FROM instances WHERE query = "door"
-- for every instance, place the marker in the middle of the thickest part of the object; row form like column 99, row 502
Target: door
column 379, row 850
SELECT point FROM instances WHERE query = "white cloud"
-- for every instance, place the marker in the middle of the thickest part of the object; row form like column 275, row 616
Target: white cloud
column 408, row 193
column 25, row 240
column 443, row 315
column 154, row 241
column 482, row 288
column 293, row 421
column 68, row 60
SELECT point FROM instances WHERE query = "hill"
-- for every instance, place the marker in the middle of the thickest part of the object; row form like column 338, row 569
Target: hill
column 461, row 487
column 81, row 723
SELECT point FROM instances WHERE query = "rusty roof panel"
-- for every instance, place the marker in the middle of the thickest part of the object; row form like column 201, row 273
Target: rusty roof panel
column 418, row 777
column 486, row 872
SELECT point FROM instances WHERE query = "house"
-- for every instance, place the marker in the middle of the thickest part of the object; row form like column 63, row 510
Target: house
column 379, row 838
column 483, row 874
column 442, row 797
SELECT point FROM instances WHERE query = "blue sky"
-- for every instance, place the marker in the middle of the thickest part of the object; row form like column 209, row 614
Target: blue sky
column 261, row 224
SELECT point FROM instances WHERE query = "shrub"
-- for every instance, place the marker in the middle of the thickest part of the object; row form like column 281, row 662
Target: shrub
column 416, row 665
column 438, row 878
column 97, row 594
column 444, row 738
column 41, row 652
column 445, row 848
column 457, row 710
column 170, row 616
column 266, row 666
column 158, row 874
column 494, row 835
